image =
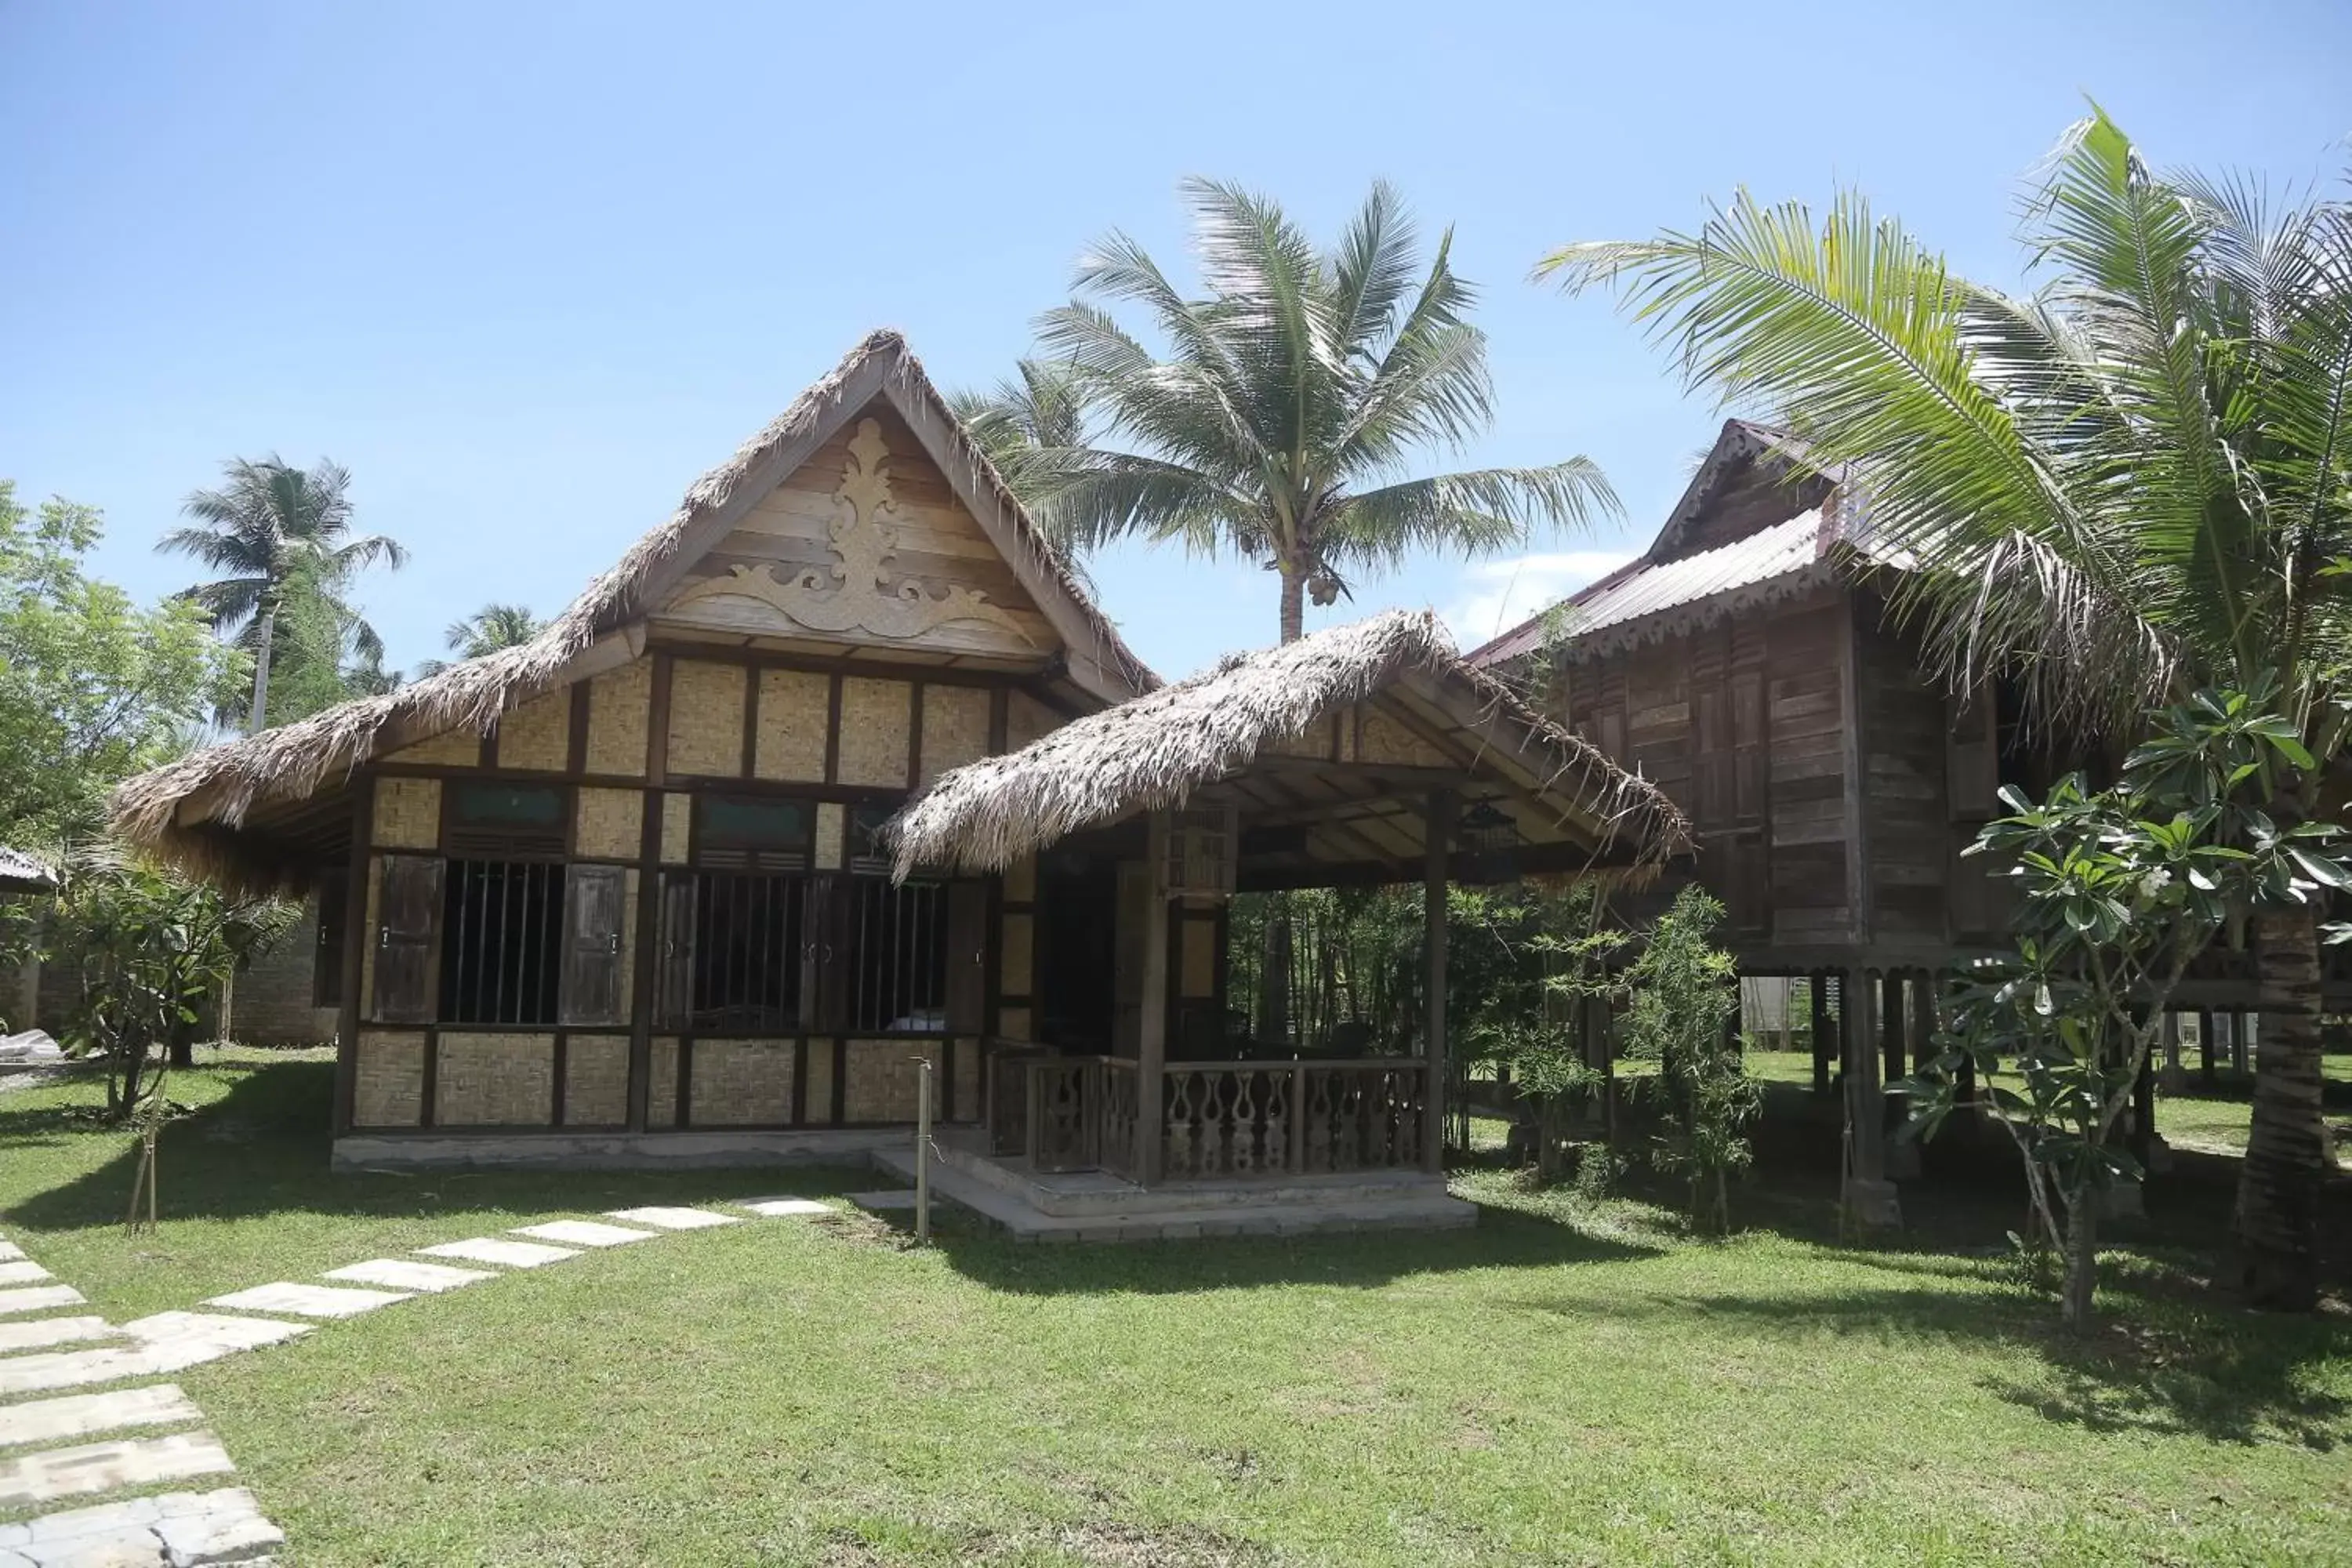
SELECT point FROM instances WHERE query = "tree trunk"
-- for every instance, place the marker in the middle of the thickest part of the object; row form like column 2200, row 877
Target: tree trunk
column 266, row 640
column 2081, row 1279
column 1294, row 606
column 2277, row 1226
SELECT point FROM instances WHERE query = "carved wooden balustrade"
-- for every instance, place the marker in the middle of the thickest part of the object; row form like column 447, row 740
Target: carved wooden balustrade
column 1227, row 1118
column 1293, row 1119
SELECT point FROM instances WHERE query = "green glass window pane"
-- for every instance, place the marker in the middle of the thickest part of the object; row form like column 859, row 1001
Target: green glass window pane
column 525, row 806
column 752, row 822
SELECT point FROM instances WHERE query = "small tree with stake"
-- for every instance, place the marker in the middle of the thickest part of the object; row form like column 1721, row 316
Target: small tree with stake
column 2119, row 890
column 1683, row 991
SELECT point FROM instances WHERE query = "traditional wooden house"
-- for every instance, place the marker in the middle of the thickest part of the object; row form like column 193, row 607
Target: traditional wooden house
column 632, row 891
column 1747, row 662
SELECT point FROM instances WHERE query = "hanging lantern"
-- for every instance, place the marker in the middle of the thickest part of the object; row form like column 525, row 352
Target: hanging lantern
column 1487, row 831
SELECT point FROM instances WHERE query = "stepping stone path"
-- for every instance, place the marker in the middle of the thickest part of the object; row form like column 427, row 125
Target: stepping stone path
column 72, row 1445
column 584, row 1233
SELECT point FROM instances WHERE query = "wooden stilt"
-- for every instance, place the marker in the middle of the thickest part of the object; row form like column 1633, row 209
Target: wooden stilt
column 1438, row 825
column 1816, row 989
column 2205, row 1046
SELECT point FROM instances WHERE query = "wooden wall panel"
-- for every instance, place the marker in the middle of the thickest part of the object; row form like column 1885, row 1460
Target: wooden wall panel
column 880, row 1079
column 608, row 823
column 537, row 736
column 706, row 719
column 389, row 1087
column 408, row 814
column 955, row 728
column 596, row 1080
column 661, row 1082
column 877, row 725
column 740, row 1083
column 488, row 1079
column 794, row 705
column 619, row 709
column 450, row 749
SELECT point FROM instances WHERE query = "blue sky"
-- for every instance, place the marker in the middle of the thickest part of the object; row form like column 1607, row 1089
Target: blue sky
column 526, row 269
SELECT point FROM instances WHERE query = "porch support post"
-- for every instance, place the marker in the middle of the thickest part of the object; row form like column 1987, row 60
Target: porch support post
column 1438, row 824
column 1151, row 1032
column 1817, row 992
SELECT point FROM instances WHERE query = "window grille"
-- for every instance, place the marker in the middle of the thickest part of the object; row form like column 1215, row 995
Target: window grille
column 898, row 970
column 747, row 952
column 501, row 942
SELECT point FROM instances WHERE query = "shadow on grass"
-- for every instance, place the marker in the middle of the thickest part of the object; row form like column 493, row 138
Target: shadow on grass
column 2225, row 1377
column 262, row 1149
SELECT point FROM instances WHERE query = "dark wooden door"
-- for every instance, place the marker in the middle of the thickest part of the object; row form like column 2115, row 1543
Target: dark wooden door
column 967, row 997
column 408, row 930
column 593, row 911
column 674, row 968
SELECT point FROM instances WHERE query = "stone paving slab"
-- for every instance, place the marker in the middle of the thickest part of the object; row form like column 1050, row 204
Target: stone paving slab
column 307, row 1301
column 663, row 1218
column 38, row 1299
column 583, row 1233
column 778, row 1208
column 176, row 1530
column 71, row 1369
column 406, row 1274
column 9, row 1250
column 86, row 1415
column 39, row 1333
column 499, row 1250
column 896, row 1198
column 22, row 1271
column 110, row 1466
column 174, row 1340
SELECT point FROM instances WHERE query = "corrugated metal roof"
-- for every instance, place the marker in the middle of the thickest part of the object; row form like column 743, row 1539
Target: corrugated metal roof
column 20, row 872
column 1644, row 589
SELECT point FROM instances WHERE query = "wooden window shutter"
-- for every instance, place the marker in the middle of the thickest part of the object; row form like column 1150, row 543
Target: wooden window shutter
column 1972, row 763
column 1713, row 761
column 594, row 909
column 326, row 952
column 824, row 953
column 967, row 998
column 674, row 976
column 408, row 933
column 1748, row 773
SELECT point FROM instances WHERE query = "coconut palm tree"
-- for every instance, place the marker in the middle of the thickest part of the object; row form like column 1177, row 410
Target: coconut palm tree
column 1282, row 424
column 2132, row 481
column 487, row 630
column 277, row 529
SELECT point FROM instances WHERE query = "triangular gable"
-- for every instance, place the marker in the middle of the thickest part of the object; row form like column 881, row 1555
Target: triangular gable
column 867, row 516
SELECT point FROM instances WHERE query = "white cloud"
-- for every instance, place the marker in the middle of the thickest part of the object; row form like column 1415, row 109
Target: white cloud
column 1493, row 597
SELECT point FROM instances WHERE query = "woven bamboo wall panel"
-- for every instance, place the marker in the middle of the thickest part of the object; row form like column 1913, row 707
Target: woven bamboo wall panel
column 620, row 705
column 408, row 814
column 790, row 745
column 819, row 1098
column 608, row 823
column 1380, row 738
column 1020, row 880
column 706, row 719
column 832, row 823
column 1027, row 720
column 1197, row 974
column 450, row 749
column 678, row 827
column 1314, row 741
column 742, row 1082
column 955, row 728
column 1013, row 1023
column 876, row 720
column 388, row 1085
column 494, row 1080
column 538, row 735
column 1016, row 968
column 967, row 1081
column 661, row 1078
column 596, row 1080
column 880, row 1079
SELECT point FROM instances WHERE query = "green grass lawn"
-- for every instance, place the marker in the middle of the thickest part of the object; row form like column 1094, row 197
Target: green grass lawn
column 1558, row 1385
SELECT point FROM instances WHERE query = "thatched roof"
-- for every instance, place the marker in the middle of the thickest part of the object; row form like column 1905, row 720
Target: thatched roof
column 187, row 811
column 1157, row 751
column 23, row 872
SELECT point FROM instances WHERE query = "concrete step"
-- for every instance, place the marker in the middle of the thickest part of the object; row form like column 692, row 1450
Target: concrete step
column 1081, row 1194
column 1143, row 1221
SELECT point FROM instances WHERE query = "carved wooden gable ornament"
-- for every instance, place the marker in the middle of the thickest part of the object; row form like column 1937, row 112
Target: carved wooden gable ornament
column 859, row 591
